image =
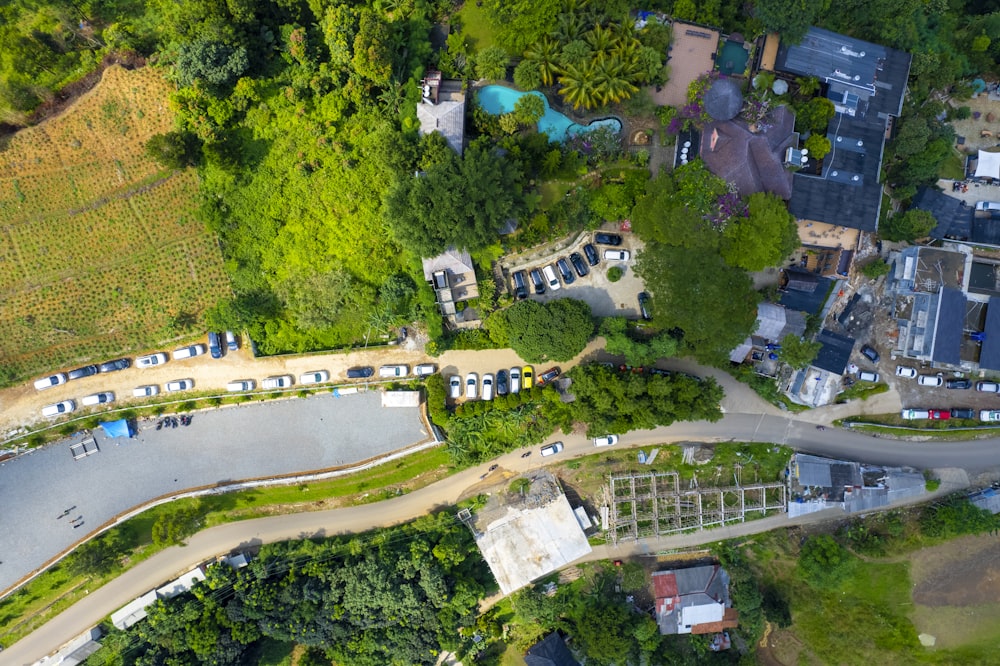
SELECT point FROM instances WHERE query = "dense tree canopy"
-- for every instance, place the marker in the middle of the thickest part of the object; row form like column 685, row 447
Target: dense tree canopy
column 789, row 18
column 907, row 226
column 764, row 238
column 539, row 332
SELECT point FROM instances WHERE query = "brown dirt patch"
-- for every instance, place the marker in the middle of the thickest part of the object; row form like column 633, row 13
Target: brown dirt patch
column 962, row 572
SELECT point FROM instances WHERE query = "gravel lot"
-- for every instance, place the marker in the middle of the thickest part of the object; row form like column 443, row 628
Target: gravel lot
column 255, row 440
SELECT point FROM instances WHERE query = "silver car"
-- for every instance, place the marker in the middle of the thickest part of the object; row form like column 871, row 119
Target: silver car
column 471, row 386
column 515, row 380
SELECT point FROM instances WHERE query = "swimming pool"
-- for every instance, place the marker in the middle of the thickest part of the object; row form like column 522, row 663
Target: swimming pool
column 499, row 100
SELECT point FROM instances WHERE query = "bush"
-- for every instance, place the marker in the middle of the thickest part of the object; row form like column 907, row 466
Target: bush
column 962, row 113
column 875, row 269
column 615, row 274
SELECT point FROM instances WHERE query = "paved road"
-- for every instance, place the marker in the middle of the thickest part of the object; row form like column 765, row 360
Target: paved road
column 753, row 427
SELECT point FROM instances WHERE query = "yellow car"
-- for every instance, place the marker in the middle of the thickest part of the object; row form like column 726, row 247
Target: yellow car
column 527, row 377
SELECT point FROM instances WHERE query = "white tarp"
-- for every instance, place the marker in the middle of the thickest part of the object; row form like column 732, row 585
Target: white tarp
column 989, row 165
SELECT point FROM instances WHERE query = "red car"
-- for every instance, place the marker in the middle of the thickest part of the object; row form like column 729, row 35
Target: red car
column 548, row 376
column 939, row 414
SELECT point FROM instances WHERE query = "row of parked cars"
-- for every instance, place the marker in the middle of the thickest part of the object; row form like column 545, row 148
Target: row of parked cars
column 546, row 278
column 503, row 382
column 906, row 372
column 323, row 376
column 105, row 397
column 986, row 415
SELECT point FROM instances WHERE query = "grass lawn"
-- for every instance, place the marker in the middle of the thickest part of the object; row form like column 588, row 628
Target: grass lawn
column 553, row 191
column 953, row 167
column 476, row 25
column 861, row 391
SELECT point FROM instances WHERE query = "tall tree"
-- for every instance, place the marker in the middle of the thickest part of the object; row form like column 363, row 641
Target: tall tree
column 764, row 238
column 789, row 18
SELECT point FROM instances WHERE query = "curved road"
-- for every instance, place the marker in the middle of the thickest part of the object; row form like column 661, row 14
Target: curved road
column 742, row 427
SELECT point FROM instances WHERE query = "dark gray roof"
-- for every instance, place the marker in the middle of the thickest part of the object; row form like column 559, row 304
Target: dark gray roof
column 955, row 219
column 834, row 352
column 724, row 99
column 801, row 280
column 808, row 302
column 948, row 333
column 989, row 356
column 550, row 651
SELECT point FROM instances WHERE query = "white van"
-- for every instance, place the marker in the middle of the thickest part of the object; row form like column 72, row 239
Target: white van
column 987, row 205
column 550, row 278
column 866, row 376
column 98, row 399
column 240, row 385
column 394, row 371
column 188, row 352
column 911, row 414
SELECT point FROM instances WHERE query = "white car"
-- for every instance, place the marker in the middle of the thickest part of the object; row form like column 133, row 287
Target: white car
column 241, row 385
column 931, row 380
column 50, row 381
column 314, row 377
column 867, row 376
column 455, row 384
column 905, row 372
column 988, row 387
column 98, row 399
column 552, row 449
column 180, row 385
column 617, row 255
column 64, row 407
column 989, row 415
column 487, row 386
column 145, row 391
column 471, row 385
column 549, row 274
column 515, row 380
column 394, row 371
column 188, row 352
column 151, row 361
column 607, row 440
column 911, row 414
column 279, row 382
column 424, row 369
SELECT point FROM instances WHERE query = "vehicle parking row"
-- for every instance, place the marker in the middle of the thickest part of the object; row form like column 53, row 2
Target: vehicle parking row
column 503, row 382
column 569, row 268
column 985, row 415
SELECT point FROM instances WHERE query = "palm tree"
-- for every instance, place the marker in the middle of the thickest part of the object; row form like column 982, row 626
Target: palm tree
column 545, row 52
column 570, row 26
column 578, row 86
column 611, row 80
column 602, row 40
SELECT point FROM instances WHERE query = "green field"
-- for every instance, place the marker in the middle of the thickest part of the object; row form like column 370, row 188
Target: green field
column 100, row 250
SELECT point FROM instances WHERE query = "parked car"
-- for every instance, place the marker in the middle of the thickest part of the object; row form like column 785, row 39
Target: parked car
column 527, row 377
column 471, row 385
column 905, row 372
column 607, row 440
column 549, row 375
column 987, row 205
column 603, row 238
column 549, row 272
column 98, row 399
column 552, row 449
column 145, row 391
column 911, row 414
column 424, row 369
column 314, row 377
column 869, row 352
column 394, row 371
column 867, row 376
column 939, row 414
column 455, row 383
column 520, row 280
column 988, row 387
column 515, row 380
column 502, row 386
column 963, row 413
column 930, row 380
column 50, row 381
column 360, row 372
column 616, row 255
column 214, row 344
column 487, row 386
column 277, row 382
column 958, row 383
column 80, row 373
column 537, row 281
column 231, row 342
column 115, row 365
column 579, row 265
column 180, row 385
column 564, row 271
column 644, row 306
column 591, row 253
column 188, row 352
column 989, row 415
column 152, row 360
column 64, row 407
column 241, row 385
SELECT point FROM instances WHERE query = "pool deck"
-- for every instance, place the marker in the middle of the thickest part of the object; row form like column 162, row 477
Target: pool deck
column 691, row 55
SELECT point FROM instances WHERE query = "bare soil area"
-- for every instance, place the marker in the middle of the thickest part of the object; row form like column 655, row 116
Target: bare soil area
column 962, row 572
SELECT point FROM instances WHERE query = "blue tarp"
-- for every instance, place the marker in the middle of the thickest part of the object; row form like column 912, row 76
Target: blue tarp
column 117, row 428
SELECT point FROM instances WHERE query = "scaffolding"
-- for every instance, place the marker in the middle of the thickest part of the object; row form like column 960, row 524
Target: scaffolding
column 652, row 504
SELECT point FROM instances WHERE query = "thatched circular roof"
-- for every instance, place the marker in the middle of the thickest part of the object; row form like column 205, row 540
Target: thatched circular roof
column 724, row 99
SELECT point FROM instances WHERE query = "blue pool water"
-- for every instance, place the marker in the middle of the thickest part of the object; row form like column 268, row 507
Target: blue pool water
column 499, row 100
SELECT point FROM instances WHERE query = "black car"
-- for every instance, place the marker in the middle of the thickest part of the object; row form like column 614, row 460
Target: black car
column 567, row 274
column 548, row 376
column 118, row 364
column 644, row 306
column 869, row 352
column 536, row 279
column 359, row 373
column 592, row 258
column 578, row 264
column 607, row 239
column 85, row 371
column 958, row 384
column 520, row 285
column 502, row 386
column 962, row 413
